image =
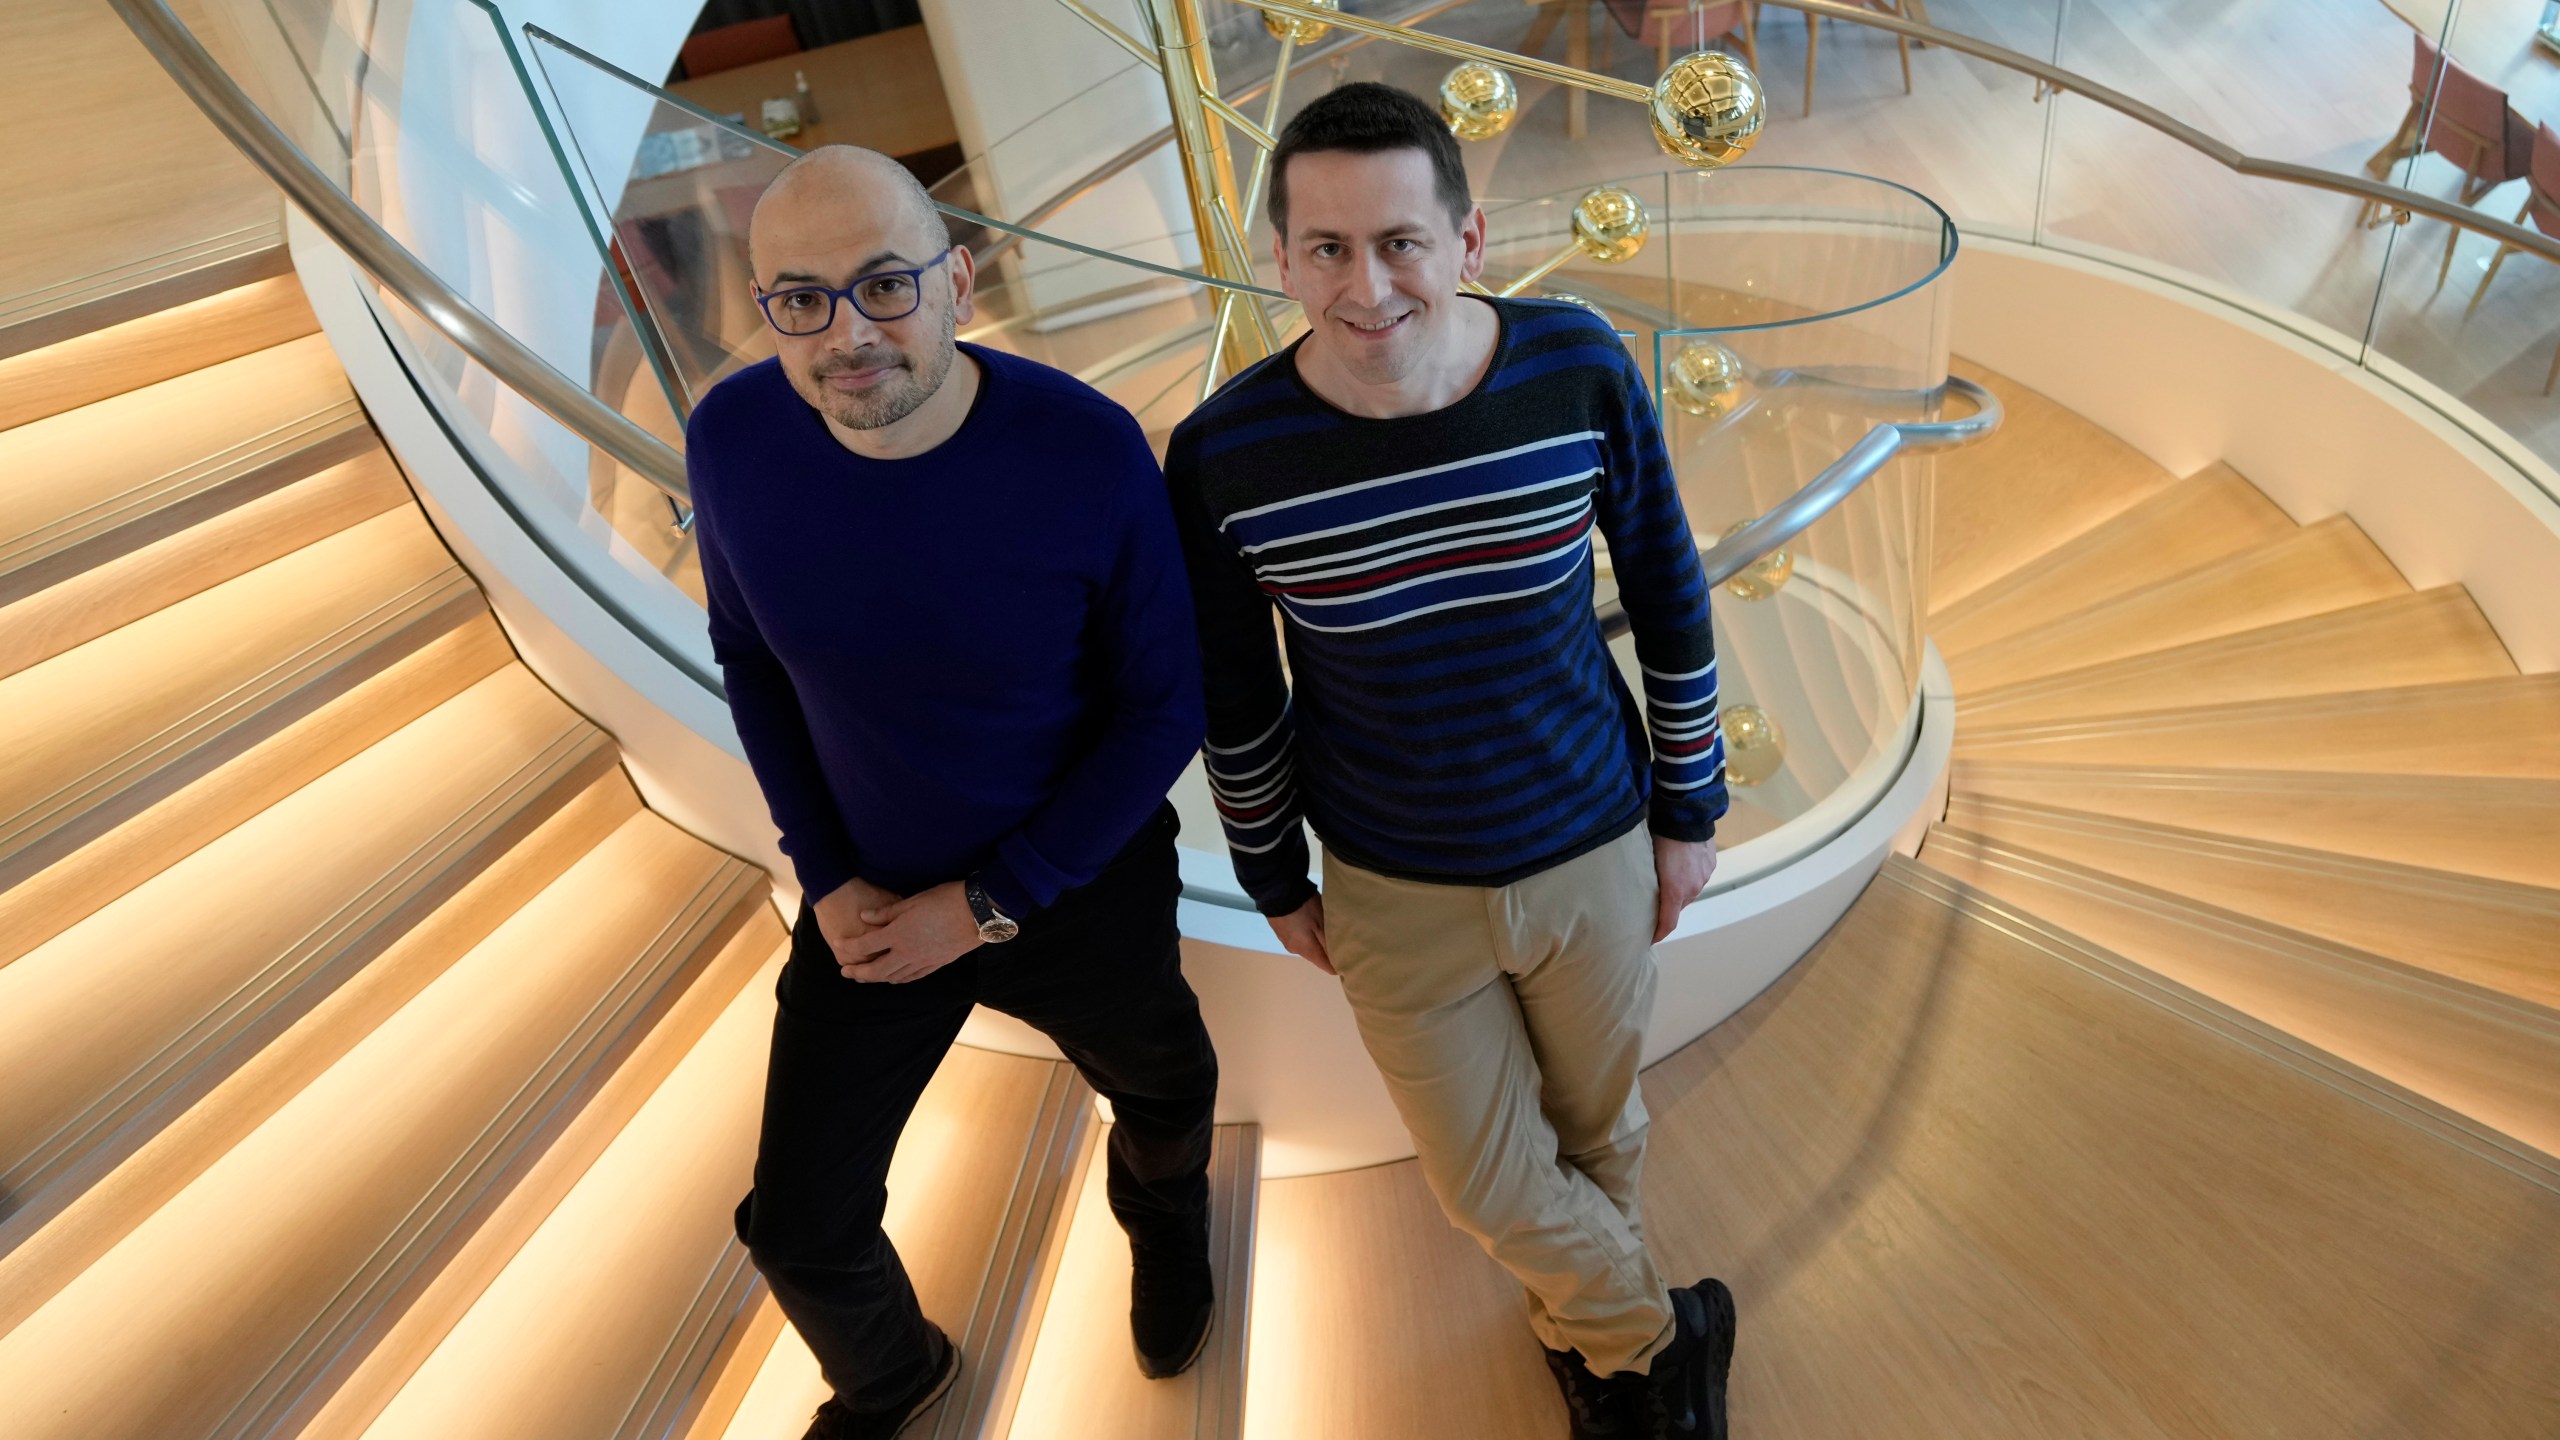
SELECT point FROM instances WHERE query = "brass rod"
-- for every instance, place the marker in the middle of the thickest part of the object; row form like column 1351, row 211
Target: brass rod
column 1258, row 134
column 1270, row 117
column 1443, row 45
column 1552, row 264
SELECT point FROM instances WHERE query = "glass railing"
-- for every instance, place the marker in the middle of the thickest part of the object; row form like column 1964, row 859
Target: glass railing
column 600, row 222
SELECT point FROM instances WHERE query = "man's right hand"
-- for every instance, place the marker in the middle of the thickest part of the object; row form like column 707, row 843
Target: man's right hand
column 840, row 920
column 1301, row 932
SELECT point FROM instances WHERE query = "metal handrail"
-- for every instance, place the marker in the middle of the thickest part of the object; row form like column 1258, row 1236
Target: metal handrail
column 1840, row 479
column 258, row 137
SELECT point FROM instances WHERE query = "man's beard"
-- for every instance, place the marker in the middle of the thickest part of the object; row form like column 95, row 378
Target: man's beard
column 896, row 395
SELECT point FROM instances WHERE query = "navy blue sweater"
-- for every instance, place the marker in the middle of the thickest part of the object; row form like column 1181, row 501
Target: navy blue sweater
column 1449, row 712
column 980, row 658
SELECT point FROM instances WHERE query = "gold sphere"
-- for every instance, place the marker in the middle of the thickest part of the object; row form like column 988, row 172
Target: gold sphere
column 1708, row 381
column 1707, row 109
column 1609, row 224
column 1478, row 101
column 1305, row 32
column 1591, row 305
column 1761, row 578
column 1753, row 746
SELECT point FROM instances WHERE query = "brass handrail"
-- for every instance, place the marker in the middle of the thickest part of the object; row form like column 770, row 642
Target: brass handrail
column 514, row 363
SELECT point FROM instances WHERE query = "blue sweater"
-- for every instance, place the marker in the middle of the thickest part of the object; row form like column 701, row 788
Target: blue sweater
column 980, row 658
column 1449, row 712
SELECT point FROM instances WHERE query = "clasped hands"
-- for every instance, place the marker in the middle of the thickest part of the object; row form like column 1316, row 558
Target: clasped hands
column 881, row 938
column 1681, row 870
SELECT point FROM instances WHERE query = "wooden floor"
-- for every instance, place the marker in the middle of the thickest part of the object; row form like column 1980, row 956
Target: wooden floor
column 111, row 170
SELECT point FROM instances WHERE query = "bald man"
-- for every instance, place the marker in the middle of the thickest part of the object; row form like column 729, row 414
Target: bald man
column 947, row 595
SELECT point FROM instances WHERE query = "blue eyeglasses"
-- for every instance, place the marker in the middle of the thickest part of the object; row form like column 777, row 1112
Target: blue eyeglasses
column 880, row 296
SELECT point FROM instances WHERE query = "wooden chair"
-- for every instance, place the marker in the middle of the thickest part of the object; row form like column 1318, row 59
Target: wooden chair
column 2466, row 120
column 1692, row 26
column 1905, row 9
column 2542, row 207
column 745, row 43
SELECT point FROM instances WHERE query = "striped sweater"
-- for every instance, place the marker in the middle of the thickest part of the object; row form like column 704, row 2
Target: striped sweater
column 1449, row 710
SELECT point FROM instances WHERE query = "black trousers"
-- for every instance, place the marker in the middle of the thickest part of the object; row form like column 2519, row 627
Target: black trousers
column 1099, row 972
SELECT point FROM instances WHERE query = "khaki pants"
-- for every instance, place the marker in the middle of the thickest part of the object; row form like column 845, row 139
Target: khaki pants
column 1508, row 1022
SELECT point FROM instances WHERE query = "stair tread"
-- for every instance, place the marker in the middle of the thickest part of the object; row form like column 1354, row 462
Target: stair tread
column 2045, row 476
column 2322, row 567
column 2491, row 933
column 318, row 1218
column 83, row 606
column 2502, row 828
column 2208, row 516
column 2479, row 727
column 2423, row 638
column 228, row 931
column 148, row 690
column 160, row 346
column 2475, row 1050
column 76, row 471
column 959, row 1162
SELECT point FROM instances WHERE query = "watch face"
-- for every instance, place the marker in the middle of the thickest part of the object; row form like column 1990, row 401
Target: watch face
column 995, row 930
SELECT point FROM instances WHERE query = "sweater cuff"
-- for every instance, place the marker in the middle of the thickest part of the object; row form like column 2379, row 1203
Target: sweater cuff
column 1006, row 889
column 821, row 875
column 1285, row 900
column 1683, row 820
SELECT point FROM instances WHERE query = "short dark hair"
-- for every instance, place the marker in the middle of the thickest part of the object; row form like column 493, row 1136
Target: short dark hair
column 1366, row 118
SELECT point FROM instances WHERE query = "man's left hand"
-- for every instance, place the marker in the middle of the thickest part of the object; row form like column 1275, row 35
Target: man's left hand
column 916, row 936
column 1681, row 869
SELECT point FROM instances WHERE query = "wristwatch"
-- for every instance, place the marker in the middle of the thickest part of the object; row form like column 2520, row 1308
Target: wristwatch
column 994, row 926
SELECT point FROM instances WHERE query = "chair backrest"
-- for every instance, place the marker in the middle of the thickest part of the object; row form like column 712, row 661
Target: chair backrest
column 2543, row 177
column 744, row 43
column 2470, row 122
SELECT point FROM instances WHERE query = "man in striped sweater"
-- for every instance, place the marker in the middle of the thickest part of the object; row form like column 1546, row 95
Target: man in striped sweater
column 1419, row 486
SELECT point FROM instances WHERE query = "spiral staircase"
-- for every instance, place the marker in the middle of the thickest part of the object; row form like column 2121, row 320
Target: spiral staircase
column 378, row 1064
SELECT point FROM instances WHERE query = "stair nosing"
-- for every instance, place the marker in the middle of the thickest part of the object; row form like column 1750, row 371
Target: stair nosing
column 86, row 304
column 2345, row 1077
column 222, row 727
column 115, row 525
column 665, row 1406
column 299, row 1381
column 2338, row 700
column 297, row 979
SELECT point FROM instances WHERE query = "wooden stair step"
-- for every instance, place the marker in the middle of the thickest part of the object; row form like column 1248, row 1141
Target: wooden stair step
column 276, row 1271
column 2490, row 933
column 2478, row 727
column 2322, row 567
column 1958, row 1164
column 1083, row 1382
column 2474, row 1050
column 612, row 1309
column 2500, row 829
column 83, row 606
column 179, row 275
column 42, row 905
column 151, row 348
column 93, row 735
column 2209, row 516
column 218, row 954
column 2045, row 477
column 83, row 487
column 2425, row 638
column 981, row 1195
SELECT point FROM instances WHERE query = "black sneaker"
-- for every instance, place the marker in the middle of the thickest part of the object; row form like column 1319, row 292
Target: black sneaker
column 1687, row 1384
column 1614, row 1407
column 836, row 1420
column 1171, row 1300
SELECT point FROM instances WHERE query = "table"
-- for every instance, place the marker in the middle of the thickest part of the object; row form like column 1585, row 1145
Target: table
column 883, row 92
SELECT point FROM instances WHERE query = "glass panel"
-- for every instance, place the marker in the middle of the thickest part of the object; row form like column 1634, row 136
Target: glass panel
column 2124, row 191
column 1808, row 311
column 2461, row 310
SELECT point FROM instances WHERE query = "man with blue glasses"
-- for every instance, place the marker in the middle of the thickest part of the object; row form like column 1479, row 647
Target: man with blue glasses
column 945, row 590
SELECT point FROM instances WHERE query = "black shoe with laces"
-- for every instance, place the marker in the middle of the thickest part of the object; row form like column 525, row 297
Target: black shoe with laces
column 1171, row 1300
column 1613, row 1407
column 1686, row 1386
column 836, row 1420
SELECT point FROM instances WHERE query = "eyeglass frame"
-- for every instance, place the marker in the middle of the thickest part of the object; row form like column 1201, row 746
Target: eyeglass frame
column 845, row 296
